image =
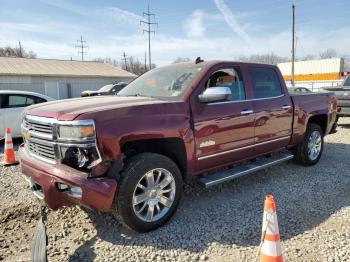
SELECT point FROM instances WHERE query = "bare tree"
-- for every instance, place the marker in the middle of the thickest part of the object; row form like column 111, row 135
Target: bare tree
column 107, row 60
column 9, row 51
column 132, row 64
column 271, row 58
column 136, row 66
column 307, row 57
column 180, row 59
column 329, row 53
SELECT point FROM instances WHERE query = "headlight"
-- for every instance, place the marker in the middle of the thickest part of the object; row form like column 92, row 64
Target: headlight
column 76, row 132
column 80, row 158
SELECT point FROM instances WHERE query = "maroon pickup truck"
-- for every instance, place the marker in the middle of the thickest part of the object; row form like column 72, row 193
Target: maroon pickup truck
column 130, row 153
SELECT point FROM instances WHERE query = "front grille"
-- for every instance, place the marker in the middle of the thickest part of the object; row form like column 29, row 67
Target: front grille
column 45, row 151
column 42, row 141
column 39, row 140
column 38, row 127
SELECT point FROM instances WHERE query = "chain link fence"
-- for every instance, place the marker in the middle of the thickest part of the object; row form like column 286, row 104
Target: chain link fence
column 315, row 86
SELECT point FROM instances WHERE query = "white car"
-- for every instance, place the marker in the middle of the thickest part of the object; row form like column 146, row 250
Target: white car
column 12, row 104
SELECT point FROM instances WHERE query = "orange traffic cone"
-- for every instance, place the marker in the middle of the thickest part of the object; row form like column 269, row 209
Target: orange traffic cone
column 9, row 155
column 270, row 247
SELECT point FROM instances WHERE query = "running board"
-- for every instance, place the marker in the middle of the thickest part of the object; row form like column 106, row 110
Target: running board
column 250, row 167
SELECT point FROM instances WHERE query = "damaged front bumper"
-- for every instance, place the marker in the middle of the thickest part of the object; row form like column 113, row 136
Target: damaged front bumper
column 60, row 185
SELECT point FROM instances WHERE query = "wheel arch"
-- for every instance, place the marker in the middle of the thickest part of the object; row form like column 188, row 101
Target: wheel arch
column 171, row 147
column 321, row 120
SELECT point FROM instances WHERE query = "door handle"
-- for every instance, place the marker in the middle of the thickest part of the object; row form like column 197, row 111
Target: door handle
column 286, row 107
column 247, row 112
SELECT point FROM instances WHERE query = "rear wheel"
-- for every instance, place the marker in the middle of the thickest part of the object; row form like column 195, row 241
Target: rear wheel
column 309, row 152
column 148, row 192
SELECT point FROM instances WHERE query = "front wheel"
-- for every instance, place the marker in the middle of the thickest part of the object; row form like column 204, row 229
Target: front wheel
column 148, row 192
column 309, row 151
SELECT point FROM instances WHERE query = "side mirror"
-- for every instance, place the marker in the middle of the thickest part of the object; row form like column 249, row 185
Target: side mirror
column 215, row 94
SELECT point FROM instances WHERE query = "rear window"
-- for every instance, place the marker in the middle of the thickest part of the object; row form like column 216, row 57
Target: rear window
column 347, row 81
column 39, row 100
column 20, row 101
column 265, row 82
column 14, row 101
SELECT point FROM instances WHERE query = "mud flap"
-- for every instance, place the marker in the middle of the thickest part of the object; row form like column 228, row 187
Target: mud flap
column 39, row 252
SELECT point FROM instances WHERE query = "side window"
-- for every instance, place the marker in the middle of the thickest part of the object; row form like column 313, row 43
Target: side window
column 39, row 100
column 20, row 101
column 265, row 82
column 230, row 77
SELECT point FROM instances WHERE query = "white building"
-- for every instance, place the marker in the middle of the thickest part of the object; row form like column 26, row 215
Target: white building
column 58, row 78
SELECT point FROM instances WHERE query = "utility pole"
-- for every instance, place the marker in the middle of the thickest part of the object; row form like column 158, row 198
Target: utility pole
column 293, row 46
column 20, row 49
column 145, row 62
column 149, row 24
column 81, row 44
column 124, row 58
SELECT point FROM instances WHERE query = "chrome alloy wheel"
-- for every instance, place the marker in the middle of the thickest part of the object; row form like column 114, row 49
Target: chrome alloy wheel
column 154, row 195
column 314, row 145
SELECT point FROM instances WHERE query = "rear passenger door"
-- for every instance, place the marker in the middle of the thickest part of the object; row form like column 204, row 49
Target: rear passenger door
column 273, row 109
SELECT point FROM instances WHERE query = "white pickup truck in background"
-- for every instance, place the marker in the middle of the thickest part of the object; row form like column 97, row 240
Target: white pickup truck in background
column 342, row 93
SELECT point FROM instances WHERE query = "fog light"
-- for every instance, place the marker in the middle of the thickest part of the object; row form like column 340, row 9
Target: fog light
column 74, row 192
column 62, row 187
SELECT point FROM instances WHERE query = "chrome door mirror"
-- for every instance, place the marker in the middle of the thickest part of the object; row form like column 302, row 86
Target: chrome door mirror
column 215, row 94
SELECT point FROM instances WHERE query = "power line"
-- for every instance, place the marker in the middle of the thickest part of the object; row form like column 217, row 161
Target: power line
column 293, row 42
column 20, row 49
column 124, row 58
column 81, row 44
column 149, row 24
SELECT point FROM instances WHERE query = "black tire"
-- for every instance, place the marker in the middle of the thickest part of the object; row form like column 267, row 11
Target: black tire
column 135, row 168
column 301, row 155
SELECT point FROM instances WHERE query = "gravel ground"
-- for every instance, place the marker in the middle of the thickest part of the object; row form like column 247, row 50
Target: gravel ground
column 218, row 224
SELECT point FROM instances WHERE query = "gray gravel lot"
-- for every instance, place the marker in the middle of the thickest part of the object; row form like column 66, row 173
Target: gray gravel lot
column 218, row 224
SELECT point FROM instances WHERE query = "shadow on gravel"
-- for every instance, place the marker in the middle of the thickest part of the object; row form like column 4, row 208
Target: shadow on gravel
column 231, row 213
column 344, row 125
column 344, row 122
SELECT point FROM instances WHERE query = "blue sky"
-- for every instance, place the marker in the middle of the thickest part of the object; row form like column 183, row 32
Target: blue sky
column 212, row 29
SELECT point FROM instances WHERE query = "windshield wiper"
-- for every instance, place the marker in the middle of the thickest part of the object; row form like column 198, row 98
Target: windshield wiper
column 136, row 95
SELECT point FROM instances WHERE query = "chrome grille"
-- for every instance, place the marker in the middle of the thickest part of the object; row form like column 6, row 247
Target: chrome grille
column 41, row 150
column 39, row 140
column 36, row 127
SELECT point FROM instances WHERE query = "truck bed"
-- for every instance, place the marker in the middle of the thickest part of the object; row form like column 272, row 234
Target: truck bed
column 307, row 104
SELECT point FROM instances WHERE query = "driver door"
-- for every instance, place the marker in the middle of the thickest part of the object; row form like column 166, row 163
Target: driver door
column 224, row 130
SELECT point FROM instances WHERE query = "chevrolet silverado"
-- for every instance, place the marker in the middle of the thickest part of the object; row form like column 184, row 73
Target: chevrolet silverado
column 130, row 153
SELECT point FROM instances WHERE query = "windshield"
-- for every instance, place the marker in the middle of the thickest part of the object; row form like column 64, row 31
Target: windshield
column 171, row 81
column 105, row 88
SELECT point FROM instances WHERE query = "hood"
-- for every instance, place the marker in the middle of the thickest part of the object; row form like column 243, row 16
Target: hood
column 69, row 109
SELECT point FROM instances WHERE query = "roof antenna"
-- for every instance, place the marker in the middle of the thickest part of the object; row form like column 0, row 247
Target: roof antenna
column 199, row 60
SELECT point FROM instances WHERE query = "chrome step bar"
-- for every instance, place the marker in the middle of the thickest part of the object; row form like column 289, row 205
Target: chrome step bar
column 250, row 167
